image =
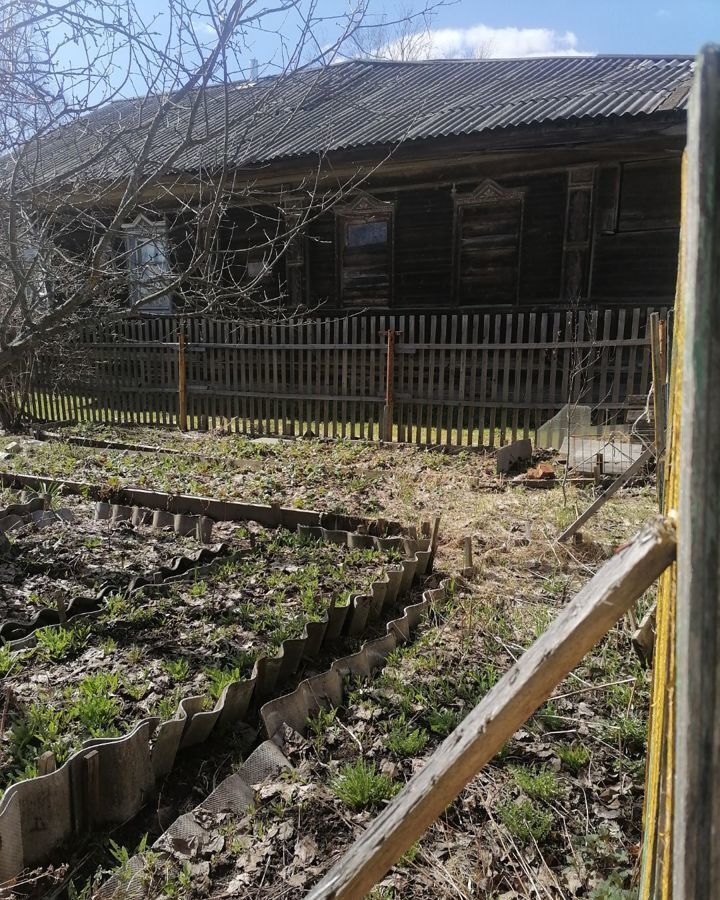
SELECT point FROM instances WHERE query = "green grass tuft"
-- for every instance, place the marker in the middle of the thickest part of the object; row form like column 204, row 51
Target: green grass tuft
column 360, row 785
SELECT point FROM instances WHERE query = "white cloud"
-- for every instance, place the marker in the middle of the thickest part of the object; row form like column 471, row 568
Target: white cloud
column 482, row 41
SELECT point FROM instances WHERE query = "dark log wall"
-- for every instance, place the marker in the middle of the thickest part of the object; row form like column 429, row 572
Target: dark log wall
column 423, row 246
column 637, row 231
column 602, row 233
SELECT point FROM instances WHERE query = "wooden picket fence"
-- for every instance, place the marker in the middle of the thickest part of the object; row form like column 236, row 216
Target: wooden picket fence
column 461, row 380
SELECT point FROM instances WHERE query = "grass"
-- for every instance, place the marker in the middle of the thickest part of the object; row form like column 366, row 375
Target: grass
column 91, row 418
column 177, row 669
column 431, row 685
column 404, row 741
column 256, row 602
column 59, row 643
column 573, row 757
column 539, row 784
column 359, row 785
column 525, row 820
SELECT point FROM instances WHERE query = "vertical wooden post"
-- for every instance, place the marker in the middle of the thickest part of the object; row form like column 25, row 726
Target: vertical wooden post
column 182, row 381
column 696, row 783
column 659, row 374
column 468, row 568
column 389, row 383
column 92, row 788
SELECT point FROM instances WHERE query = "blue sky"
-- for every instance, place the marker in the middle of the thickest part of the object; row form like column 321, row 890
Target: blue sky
column 476, row 27
column 602, row 26
column 526, row 27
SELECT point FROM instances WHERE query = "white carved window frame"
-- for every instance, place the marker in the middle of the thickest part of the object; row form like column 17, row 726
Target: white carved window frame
column 146, row 275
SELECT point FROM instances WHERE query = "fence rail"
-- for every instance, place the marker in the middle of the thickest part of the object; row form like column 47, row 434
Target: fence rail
column 463, row 380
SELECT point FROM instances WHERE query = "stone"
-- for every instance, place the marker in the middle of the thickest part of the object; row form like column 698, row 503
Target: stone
column 13, row 447
column 511, row 454
column 552, row 433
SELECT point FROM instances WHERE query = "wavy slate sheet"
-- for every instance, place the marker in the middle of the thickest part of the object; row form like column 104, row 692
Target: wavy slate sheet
column 191, row 832
column 29, row 836
column 199, row 527
column 272, row 515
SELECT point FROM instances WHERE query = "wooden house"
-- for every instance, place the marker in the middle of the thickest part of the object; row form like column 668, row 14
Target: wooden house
column 476, row 184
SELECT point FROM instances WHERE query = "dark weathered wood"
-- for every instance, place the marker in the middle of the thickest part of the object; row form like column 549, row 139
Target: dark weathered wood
column 583, row 622
column 696, row 791
column 454, row 374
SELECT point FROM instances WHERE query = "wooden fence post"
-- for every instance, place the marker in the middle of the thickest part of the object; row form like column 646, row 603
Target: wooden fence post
column 389, row 383
column 696, row 781
column 659, row 377
column 182, row 381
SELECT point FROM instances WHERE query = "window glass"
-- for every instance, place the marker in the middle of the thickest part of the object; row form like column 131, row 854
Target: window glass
column 364, row 234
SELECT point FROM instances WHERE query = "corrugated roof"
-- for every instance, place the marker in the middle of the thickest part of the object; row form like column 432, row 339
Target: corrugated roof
column 362, row 103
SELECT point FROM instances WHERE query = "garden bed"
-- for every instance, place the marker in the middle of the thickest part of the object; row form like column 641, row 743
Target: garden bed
column 556, row 814
column 71, row 555
column 142, row 653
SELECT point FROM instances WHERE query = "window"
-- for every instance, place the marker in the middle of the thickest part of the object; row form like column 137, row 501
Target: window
column 488, row 225
column 146, row 247
column 365, row 252
column 365, row 234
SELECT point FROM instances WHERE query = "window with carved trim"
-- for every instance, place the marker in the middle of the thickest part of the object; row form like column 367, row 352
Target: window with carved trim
column 147, row 252
column 365, row 252
column 488, row 227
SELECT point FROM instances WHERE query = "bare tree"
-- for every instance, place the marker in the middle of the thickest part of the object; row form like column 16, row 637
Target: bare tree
column 127, row 140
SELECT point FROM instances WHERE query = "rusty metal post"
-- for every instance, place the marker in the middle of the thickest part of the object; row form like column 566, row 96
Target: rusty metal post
column 182, row 382
column 389, row 381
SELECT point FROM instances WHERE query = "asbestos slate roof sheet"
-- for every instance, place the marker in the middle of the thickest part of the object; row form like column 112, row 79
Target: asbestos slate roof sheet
column 361, row 103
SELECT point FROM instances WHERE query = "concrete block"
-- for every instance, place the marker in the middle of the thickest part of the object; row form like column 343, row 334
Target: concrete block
column 511, row 454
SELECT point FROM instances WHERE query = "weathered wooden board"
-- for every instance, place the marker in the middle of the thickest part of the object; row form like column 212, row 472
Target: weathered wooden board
column 583, row 622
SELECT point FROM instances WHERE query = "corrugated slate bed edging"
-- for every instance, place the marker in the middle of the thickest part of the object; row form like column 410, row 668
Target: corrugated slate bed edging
column 270, row 515
column 110, row 779
column 17, row 633
column 190, row 833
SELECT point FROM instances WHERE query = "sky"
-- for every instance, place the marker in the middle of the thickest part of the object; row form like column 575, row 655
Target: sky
column 521, row 27
column 459, row 28
column 469, row 28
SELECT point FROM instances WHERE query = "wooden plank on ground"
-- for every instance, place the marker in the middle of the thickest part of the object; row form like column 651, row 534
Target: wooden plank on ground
column 530, row 681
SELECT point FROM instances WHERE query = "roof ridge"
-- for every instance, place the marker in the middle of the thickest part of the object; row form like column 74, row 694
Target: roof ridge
column 680, row 57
